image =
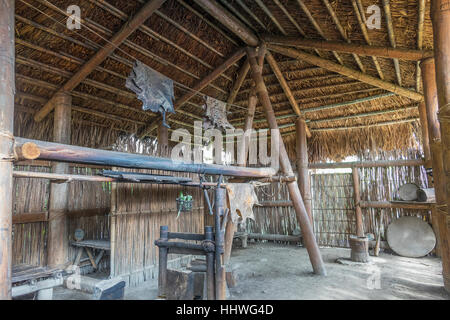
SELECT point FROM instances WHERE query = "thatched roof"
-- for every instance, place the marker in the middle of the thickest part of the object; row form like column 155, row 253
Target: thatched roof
column 182, row 41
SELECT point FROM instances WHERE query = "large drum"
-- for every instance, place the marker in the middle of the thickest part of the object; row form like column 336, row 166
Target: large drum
column 410, row 237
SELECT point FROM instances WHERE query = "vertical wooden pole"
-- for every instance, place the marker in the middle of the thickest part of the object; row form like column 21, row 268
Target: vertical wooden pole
column 220, row 198
column 231, row 228
column 357, row 199
column 57, row 221
column 425, row 134
column 210, row 292
column 440, row 17
column 297, row 200
column 162, row 266
column 163, row 140
column 112, row 228
column 431, row 103
column 302, row 166
column 7, row 90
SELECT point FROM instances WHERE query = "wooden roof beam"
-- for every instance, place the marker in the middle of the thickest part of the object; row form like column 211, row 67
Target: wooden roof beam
column 271, row 16
column 239, row 81
column 352, row 48
column 420, row 28
column 391, row 34
column 359, row 12
column 198, row 87
column 284, row 85
column 343, row 33
column 103, row 53
column 354, row 74
column 317, row 27
column 229, row 21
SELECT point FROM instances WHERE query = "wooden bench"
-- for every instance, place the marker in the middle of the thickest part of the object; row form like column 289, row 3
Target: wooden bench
column 28, row 279
column 87, row 245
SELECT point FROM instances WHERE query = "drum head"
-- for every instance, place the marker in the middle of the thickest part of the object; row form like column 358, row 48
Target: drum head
column 410, row 237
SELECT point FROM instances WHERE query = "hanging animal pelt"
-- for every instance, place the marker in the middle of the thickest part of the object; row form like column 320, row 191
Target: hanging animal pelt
column 216, row 115
column 152, row 88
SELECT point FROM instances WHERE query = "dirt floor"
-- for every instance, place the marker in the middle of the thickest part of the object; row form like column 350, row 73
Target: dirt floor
column 275, row 271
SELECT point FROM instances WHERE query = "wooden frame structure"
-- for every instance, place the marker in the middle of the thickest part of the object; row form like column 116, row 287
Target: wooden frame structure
column 436, row 98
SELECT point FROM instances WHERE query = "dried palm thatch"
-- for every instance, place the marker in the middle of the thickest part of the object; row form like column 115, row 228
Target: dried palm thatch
column 183, row 42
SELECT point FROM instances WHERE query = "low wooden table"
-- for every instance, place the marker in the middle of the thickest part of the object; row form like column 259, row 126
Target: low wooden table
column 88, row 245
column 27, row 279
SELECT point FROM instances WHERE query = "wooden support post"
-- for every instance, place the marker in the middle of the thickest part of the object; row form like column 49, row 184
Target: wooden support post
column 163, row 257
column 219, row 210
column 302, row 216
column 231, row 228
column 440, row 17
column 425, row 134
column 57, row 221
column 357, row 199
column 7, row 90
column 302, row 166
column 431, row 105
column 210, row 292
column 163, row 140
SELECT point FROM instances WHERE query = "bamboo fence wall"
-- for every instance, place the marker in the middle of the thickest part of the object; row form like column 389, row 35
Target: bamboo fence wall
column 140, row 210
column 333, row 204
column 88, row 208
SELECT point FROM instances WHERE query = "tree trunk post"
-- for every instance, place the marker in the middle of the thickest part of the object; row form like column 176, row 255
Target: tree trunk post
column 7, row 90
column 59, row 192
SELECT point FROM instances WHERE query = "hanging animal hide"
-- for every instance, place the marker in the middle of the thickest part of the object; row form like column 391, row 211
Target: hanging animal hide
column 241, row 197
column 152, row 88
column 216, row 115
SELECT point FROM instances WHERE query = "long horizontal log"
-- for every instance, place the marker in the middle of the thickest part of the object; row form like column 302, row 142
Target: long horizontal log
column 68, row 153
column 274, row 237
column 364, row 50
column 367, row 164
column 61, row 177
column 275, row 204
column 395, row 205
column 354, row 74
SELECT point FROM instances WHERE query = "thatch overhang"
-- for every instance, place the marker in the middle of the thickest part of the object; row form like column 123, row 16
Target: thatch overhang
column 182, row 41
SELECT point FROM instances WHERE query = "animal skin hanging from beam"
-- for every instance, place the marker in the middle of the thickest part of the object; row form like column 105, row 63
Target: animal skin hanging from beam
column 216, row 115
column 152, row 88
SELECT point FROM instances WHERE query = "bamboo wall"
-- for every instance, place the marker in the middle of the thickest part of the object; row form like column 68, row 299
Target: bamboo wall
column 140, row 210
column 89, row 203
column 88, row 208
column 333, row 204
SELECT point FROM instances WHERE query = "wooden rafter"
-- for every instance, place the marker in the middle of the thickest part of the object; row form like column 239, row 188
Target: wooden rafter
column 238, row 82
column 287, row 91
column 199, row 86
column 250, row 13
column 317, row 27
column 271, row 16
column 364, row 50
column 359, row 13
column 343, row 33
column 421, row 19
column 354, row 74
column 103, row 53
column 391, row 34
